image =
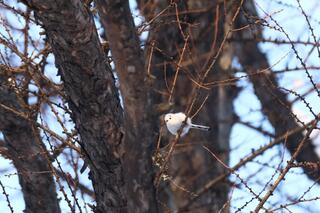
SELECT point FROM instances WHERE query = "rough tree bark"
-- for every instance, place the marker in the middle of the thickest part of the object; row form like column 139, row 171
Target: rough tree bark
column 273, row 100
column 92, row 95
column 24, row 147
column 140, row 119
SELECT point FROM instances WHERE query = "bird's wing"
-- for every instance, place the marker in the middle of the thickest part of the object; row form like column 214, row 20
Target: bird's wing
column 180, row 116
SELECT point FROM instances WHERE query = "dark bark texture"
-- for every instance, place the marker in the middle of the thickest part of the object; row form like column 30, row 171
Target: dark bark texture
column 140, row 120
column 92, row 95
column 25, row 149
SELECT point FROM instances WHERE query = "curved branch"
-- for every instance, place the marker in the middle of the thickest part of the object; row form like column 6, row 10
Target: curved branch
column 274, row 101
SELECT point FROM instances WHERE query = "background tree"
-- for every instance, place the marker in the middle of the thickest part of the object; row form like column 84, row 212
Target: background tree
column 116, row 78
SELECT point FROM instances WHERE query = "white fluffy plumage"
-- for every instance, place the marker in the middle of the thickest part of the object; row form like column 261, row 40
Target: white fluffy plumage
column 174, row 122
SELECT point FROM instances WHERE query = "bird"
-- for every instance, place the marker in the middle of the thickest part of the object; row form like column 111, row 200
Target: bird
column 174, row 121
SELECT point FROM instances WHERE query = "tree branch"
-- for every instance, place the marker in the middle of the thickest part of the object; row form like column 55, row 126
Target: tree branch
column 274, row 102
column 20, row 146
column 140, row 120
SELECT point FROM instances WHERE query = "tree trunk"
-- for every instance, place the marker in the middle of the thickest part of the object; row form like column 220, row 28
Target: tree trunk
column 28, row 154
column 140, row 120
column 92, row 95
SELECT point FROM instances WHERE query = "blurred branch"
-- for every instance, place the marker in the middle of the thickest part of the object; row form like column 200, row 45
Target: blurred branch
column 3, row 150
column 271, row 40
column 274, row 102
column 7, row 196
column 75, row 183
column 259, row 129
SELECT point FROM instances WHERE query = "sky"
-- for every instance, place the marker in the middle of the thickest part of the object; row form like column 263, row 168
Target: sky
column 246, row 106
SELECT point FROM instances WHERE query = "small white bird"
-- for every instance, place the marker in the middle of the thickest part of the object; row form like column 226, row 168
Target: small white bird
column 174, row 122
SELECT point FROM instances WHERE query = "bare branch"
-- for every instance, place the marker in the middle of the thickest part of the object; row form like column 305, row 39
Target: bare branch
column 274, row 102
column 21, row 147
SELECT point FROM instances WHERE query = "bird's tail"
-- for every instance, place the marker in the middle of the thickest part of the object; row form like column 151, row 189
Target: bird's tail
column 205, row 128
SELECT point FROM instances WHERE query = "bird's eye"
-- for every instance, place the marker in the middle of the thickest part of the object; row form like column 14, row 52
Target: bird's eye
column 170, row 118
